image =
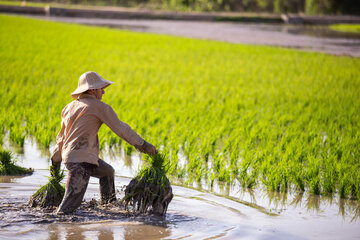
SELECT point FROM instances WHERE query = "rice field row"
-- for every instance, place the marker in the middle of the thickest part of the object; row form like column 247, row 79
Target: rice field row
column 262, row 116
column 351, row 28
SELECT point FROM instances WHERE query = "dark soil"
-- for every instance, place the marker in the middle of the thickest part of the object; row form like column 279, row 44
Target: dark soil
column 16, row 211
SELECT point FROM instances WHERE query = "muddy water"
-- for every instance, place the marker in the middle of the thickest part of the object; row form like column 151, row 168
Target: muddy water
column 308, row 38
column 194, row 213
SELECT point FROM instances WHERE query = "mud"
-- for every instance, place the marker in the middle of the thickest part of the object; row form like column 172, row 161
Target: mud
column 15, row 211
column 307, row 38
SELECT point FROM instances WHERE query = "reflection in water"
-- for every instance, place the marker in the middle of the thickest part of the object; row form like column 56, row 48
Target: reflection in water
column 54, row 233
column 277, row 199
column 351, row 208
column 74, row 233
column 279, row 202
column 342, row 208
column 356, row 212
column 271, row 201
column 296, row 202
column 127, row 160
column 9, row 179
column 145, row 232
column 106, row 234
column 14, row 147
column 106, row 231
column 313, row 203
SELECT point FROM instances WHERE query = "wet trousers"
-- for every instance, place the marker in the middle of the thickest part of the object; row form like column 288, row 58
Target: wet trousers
column 78, row 179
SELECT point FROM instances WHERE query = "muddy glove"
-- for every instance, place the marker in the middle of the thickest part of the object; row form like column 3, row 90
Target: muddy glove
column 147, row 148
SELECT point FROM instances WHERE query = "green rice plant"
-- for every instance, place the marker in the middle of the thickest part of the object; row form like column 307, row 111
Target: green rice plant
column 313, row 176
column 357, row 187
column 344, row 186
column 297, row 177
column 128, row 149
column 17, row 136
column 314, row 185
column 150, row 189
column 52, row 193
column 247, row 179
column 328, row 180
column 5, row 157
column 8, row 167
column 291, row 115
column 354, row 187
column 351, row 28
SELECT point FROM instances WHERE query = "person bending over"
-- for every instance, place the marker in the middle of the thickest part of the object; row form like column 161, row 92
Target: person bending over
column 77, row 144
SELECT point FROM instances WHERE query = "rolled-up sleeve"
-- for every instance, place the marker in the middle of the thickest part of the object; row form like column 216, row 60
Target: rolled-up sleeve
column 123, row 130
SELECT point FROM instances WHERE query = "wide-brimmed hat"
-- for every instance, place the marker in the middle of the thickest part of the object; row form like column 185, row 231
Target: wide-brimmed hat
column 89, row 80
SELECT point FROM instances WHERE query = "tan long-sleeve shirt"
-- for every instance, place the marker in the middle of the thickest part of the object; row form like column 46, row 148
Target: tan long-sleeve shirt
column 78, row 141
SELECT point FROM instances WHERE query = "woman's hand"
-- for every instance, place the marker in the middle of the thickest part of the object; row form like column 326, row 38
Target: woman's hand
column 149, row 149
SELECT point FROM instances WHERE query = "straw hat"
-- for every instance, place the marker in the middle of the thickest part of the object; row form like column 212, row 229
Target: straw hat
column 89, row 80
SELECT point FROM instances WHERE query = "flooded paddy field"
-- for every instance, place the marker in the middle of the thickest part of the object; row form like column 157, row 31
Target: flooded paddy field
column 274, row 103
column 223, row 212
column 309, row 38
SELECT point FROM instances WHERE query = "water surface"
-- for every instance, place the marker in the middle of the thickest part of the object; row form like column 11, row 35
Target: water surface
column 223, row 212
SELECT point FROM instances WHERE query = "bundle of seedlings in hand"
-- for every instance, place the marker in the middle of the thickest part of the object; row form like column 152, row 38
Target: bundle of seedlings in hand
column 150, row 190
column 7, row 166
column 51, row 194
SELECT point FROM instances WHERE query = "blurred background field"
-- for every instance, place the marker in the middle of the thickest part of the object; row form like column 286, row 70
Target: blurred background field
column 261, row 116
column 346, row 27
column 309, row 7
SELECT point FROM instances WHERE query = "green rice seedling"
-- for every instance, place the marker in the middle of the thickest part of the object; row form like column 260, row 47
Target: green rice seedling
column 8, row 167
column 314, row 185
column 327, row 182
column 354, row 188
column 344, row 186
column 150, row 190
column 5, row 157
column 246, row 180
column 358, row 187
column 17, row 136
column 128, row 149
column 52, row 193
column 298, row 178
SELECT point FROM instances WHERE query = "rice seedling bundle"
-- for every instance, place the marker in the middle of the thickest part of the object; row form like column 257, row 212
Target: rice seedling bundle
column 281, row 118
column 8, row 167
column 52, row 193
column 150, row 190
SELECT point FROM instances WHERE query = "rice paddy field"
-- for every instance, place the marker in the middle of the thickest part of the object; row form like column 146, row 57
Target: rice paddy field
column 260, row 117
column 351, row 28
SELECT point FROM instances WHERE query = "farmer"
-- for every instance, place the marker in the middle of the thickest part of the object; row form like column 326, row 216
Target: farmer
column 78, row 144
